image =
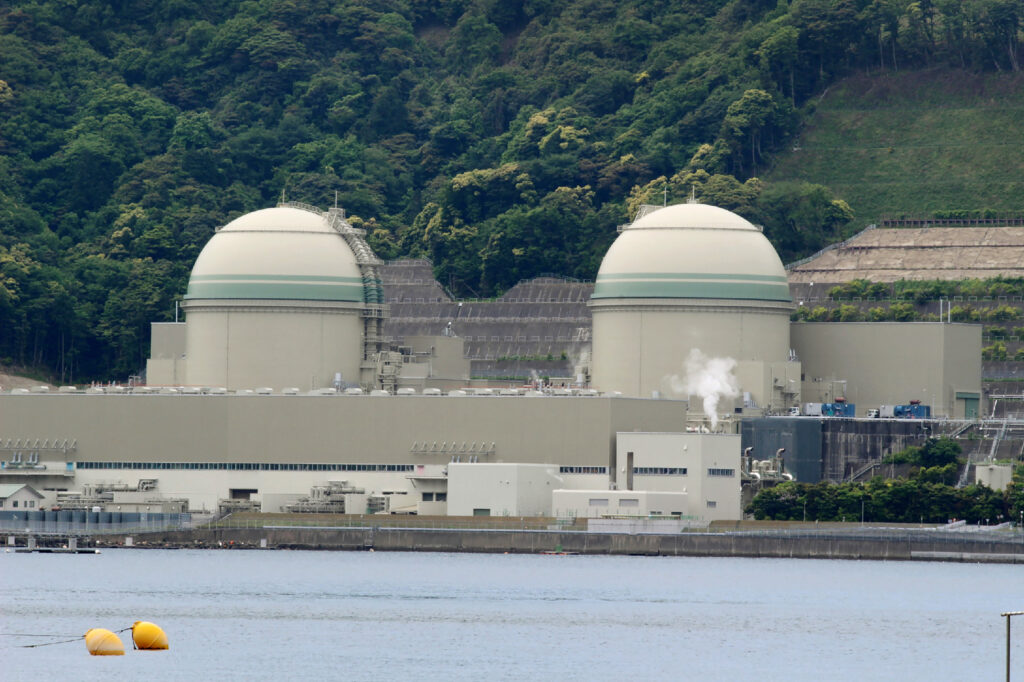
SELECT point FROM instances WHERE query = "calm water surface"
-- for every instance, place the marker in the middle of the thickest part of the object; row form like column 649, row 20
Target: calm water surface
column 402, row 616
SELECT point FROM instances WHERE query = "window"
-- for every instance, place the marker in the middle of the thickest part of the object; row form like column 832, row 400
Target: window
column 722, row 472
column 31, row 504
column 629, row 502
column 428, row 497
column 583, row 470
column 441, row 497
column 244, row 466
column 481, row 512
column 659, row 471
column 712, row 504
column 14, row 504
column 598, row 502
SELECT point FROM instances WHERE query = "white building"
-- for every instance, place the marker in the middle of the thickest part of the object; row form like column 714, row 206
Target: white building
column 478, row 489
column 19, row 496
column 692, row 475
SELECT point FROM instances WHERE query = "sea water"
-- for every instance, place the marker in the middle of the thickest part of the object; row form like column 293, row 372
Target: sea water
column 304, row 615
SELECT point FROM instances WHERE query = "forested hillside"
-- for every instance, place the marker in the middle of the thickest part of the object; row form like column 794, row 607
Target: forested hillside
column 500, row 138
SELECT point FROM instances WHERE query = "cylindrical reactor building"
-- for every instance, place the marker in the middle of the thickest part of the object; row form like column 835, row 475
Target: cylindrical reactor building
column 692, row 276
column 274, row 300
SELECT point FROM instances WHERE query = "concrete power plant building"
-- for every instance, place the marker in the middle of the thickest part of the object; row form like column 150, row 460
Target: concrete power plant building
column 685, row 278
column 256, row 400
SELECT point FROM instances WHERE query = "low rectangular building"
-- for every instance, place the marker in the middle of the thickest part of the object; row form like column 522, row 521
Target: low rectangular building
column 478, row 489
column 206, row 448
column 19, row 497
column 596, row 504
column 891, row 363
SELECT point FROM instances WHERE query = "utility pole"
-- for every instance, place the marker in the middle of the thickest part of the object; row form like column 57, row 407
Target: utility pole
column 1008, row 615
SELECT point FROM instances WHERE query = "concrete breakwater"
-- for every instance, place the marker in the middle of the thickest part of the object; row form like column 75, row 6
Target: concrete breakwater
column 882, row 545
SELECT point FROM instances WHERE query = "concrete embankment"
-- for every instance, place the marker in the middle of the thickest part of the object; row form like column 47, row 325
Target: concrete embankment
column 897, row 546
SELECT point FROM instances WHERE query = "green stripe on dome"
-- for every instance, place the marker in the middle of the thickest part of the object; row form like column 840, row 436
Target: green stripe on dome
column 276, row 278
column 282, row 287
column 692, row 275
column 692, row 285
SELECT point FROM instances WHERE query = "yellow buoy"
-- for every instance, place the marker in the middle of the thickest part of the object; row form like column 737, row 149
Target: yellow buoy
column 102, row 642
column 148, row 636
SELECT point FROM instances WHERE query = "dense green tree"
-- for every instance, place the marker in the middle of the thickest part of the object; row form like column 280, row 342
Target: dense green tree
column 928, row 495
column 802, row 219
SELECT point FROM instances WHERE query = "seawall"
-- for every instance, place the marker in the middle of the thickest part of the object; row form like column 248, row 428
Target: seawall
column 881, row 545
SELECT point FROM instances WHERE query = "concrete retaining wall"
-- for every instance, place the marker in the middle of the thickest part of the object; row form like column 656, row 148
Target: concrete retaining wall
column 902, row 547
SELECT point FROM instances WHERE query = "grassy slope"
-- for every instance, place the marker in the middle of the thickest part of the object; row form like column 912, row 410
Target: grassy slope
column 916, row 142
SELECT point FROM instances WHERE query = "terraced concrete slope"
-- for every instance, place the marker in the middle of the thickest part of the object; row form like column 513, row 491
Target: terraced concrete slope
column 945, row 253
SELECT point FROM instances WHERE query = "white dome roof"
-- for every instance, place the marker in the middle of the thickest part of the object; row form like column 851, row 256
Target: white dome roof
column 277, row 253
column 695, row 216
column 692, row 251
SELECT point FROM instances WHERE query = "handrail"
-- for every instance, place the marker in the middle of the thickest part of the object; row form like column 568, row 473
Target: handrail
column 830, row 247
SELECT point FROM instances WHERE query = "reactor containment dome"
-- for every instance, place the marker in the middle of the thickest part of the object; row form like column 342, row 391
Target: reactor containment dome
column 692, row 276
column 276, row 299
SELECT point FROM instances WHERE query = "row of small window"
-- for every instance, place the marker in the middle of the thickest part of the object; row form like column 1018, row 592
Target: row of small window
column 435, row 497
column 722, row 472
column 629, row 502
column 659, row 471
column 583, row 470
column 244, row 466
column 623, row 502
column 29, row 504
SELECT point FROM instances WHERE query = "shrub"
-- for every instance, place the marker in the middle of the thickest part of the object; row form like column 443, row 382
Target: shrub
column 1002, row 313
column 849, row 313
column 902, row 312
column 964, row 314
column 997, row 351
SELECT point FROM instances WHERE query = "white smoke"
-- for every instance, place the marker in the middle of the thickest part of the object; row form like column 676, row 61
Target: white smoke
column 580, row 359
column 709, row 378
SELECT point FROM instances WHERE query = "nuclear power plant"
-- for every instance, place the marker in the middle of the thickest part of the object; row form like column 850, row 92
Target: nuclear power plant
column 292, row 385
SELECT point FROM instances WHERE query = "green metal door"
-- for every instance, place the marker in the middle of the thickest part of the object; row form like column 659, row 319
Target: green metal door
column 971, row 400
column 970, row 408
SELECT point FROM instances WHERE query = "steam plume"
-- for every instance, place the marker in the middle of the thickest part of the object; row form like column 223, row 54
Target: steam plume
column 709, row 378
